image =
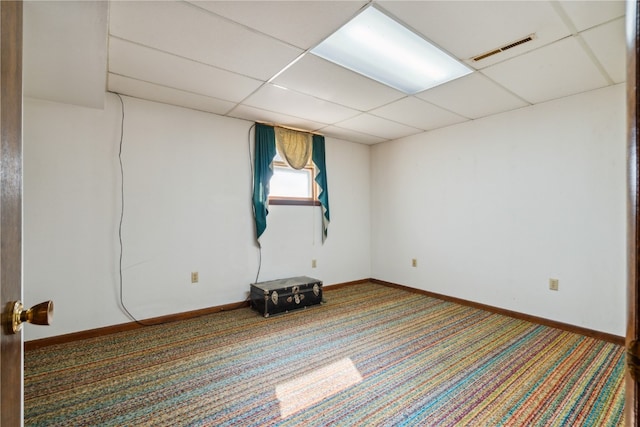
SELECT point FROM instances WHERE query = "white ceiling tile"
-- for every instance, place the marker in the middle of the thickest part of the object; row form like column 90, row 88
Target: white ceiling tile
column 418, row 114
column 351, row 136
column 258, row 115
column 473, row 96
column 284, row 101
column 152, row 92
column 164, row 69
column 554, row 71
column 469, row 28
column 586, row 14
column 609, row 45
column 65, row 51
column 212, row 56
column 323, row 79
column 306, row 23
column 190, row 32
column 378, row 126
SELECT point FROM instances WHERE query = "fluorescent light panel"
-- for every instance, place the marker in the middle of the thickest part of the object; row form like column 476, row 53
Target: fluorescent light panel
column 377, row 46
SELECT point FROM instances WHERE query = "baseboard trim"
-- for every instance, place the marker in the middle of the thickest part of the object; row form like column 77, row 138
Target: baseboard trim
column 345, row 284
column 123, row 327
column 615, row 339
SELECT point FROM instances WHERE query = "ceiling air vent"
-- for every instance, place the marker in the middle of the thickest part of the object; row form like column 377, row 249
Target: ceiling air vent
column 503, row 48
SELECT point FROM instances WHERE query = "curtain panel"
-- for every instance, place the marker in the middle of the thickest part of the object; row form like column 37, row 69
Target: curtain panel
column 265, row 151
column 294, row 147
column 318, row 158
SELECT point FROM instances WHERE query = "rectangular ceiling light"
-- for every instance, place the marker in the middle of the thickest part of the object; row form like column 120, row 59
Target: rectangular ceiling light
column 379, row 47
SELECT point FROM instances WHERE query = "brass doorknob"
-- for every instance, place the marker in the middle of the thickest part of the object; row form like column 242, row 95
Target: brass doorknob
column 39, row 314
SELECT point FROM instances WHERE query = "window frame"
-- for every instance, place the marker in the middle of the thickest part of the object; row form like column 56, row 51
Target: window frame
column 297, row 201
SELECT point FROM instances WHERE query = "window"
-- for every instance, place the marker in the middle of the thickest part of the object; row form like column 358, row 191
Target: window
column 289, row 186
column 265, row 153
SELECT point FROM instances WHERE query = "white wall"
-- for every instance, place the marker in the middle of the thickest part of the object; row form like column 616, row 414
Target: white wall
column 495, row 207
column 491, row 209
column 187, row 208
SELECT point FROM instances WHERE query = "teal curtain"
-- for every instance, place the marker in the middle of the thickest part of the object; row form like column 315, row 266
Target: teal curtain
column 321, row 178
column 265, row 151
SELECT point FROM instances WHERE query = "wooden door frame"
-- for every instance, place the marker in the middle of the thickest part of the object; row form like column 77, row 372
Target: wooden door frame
column 11, row 411
column 633, row 216
column 11, row 207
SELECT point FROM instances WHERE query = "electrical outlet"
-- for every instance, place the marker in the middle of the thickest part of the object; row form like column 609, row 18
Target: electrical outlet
column 194, row 277
column 314, row 264
column 553, row 284
column 414, row 262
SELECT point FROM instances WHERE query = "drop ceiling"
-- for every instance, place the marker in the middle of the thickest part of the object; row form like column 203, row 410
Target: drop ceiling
column 251, row 60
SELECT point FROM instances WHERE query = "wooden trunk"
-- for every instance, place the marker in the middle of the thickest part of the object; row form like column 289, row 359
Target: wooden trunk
column 284, row 295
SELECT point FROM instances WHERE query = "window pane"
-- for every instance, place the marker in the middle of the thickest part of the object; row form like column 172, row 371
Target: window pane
column 287, row 182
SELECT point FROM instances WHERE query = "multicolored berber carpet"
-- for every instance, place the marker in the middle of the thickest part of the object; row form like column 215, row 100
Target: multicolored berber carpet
column 371, row 356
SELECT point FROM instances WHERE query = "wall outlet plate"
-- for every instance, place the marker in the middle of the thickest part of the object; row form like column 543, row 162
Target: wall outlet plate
column 553, row 284
column 194, row 277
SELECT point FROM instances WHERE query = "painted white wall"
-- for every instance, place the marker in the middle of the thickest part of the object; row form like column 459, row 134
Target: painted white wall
column 187, row 191
column 495, row 207
column 491, row 209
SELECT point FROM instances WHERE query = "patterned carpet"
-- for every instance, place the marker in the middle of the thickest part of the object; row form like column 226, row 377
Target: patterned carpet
column 372, row 355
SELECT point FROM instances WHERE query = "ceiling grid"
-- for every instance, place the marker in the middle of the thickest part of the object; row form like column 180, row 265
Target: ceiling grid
column 251, row 59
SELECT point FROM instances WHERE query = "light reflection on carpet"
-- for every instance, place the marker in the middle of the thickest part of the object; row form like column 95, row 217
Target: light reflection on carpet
column 309, row 389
